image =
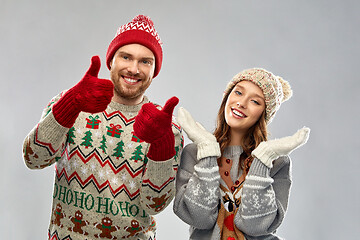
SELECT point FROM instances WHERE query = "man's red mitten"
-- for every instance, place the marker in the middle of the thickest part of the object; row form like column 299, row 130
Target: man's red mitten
column 91, row 94
column 154, row 126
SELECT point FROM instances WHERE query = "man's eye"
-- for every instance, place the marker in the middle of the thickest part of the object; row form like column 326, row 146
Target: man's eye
column 147, row 62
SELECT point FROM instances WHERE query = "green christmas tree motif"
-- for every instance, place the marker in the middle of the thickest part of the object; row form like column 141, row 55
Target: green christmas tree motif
column 71, row 136
column 176, row 153
column 87, row 140
column 137, row 154
column 103, row 144
column 119, row 149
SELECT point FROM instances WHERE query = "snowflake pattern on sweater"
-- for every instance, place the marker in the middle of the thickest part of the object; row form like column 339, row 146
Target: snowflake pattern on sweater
column 105, row 186
column 215, row 209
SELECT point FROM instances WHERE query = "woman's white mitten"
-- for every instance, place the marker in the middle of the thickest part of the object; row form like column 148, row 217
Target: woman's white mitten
column 270, row 150
column 205, row 141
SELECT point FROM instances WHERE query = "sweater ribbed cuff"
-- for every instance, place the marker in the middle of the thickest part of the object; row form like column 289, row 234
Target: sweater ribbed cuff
column 259, row 169
column 163, row 148
column 265, row 154
column 65, row 110
column 208, row 149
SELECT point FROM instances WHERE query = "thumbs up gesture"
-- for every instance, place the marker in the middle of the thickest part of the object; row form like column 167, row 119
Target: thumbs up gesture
column 154, row 126
column 91, row 95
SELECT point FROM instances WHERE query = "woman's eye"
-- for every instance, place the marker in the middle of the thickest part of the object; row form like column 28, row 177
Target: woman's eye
column 256, row 102
column 238, row 92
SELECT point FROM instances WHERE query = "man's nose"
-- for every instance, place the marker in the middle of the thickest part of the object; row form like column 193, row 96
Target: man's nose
column 133, row 67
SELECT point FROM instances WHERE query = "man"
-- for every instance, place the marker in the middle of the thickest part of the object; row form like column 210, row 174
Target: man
column 115, row 153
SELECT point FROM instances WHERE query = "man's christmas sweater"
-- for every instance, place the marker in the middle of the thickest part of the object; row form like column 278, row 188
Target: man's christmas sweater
column 105, row 186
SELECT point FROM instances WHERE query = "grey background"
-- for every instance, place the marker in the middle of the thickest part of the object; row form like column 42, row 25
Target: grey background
column 46, row 47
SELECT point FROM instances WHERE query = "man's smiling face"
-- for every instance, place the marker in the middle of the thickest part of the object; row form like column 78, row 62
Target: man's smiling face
column 132, row 71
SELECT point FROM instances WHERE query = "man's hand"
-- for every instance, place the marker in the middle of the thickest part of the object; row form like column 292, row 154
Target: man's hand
column 152, row 123
column 91, row 94
column 154, row 126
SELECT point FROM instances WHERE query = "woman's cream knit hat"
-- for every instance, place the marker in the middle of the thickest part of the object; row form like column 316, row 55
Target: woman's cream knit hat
column 275, row 89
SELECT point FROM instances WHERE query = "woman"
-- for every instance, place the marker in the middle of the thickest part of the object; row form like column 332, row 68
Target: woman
column 235, row 184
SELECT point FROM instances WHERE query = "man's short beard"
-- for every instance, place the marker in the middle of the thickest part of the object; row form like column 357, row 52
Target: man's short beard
column 128, row 95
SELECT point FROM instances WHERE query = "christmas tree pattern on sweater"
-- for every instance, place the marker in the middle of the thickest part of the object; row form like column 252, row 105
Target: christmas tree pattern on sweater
column 102, row 170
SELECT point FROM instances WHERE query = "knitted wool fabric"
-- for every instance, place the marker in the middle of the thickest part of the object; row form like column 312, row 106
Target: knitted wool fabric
column 200, row 187
column 140, row 30
column 105, row 186
column 154, row 126
column 275, row 89
column 91, row 94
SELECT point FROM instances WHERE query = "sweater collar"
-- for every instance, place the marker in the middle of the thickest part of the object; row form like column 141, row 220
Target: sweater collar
column 114, row 106
column 232, row 152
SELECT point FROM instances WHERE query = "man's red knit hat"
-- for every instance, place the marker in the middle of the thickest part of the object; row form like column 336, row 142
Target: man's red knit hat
column 140, row 30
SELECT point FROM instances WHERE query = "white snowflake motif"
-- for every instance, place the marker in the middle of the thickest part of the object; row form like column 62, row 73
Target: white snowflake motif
column 132, row 184
column 78, row 131
column 123, row 177
column 196, row 190
column 271, row 196
column 256, row 201
column 243, row 204
column 208, row 199
column 97, row 134
column 108, row 172
column 212, row 193
column 92, row 167
column 129, row 145
column 111, row 142
column 67, row 167
column 84, row 170
column 101, row 174
column 115, row 181
column 75, row 164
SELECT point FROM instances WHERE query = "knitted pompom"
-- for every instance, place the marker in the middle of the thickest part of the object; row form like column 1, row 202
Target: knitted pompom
column 143, row 18
column 286, row 89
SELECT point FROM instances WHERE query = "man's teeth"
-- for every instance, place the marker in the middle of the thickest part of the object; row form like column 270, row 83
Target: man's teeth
column 130, row 80
column 237, row 113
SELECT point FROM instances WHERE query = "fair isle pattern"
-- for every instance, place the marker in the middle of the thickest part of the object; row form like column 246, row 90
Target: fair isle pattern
column 157, row 188
column 258, row 198
column 47, row 146
column 109, row 116
column 102, row 175
column 139, row 25
column 123, row 167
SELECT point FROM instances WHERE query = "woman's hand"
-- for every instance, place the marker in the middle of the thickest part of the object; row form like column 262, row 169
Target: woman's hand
column 270, row 150
column 205, row 141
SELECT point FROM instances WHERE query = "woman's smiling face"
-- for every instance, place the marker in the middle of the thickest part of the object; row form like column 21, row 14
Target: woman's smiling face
column 244, row 106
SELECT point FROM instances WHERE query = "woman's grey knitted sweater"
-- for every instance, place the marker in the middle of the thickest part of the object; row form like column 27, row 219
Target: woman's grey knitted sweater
column 264, row 195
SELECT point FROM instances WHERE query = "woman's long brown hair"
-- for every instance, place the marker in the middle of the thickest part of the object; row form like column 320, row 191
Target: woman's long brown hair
column 255, row 135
